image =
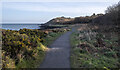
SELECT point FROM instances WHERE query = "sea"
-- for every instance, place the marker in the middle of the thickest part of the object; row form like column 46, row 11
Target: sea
column 20, row 26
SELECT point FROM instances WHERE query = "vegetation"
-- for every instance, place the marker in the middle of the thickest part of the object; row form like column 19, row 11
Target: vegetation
column 20, row 46
column 26, row 48
column 94, row 48
column 96, row 44
column 111, row 16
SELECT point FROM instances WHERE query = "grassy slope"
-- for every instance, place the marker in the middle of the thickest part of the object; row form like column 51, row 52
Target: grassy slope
column 85, row 54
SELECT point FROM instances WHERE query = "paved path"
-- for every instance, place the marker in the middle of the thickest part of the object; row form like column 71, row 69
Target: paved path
column 59, row 54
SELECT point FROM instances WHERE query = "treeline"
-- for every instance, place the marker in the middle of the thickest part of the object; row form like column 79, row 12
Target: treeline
column 110, row 20
column 111, row 15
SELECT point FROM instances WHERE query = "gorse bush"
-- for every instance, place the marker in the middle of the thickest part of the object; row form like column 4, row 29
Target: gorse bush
column 22, row 44
column 25, row 48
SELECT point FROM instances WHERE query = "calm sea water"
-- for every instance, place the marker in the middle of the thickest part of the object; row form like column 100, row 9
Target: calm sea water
column 20, row 26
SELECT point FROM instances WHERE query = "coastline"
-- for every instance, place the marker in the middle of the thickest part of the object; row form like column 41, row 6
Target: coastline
column 20, row 26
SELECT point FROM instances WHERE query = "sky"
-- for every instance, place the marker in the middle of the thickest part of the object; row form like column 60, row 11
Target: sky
column 41, row 12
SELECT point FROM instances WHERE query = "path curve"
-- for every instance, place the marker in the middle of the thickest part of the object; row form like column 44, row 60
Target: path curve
column 59, row 54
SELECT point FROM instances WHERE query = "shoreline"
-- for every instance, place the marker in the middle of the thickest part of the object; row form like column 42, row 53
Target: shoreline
column 19, row 26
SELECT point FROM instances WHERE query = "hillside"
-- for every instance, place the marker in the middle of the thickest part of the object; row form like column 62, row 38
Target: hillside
column 60, row 20
column 68, row 20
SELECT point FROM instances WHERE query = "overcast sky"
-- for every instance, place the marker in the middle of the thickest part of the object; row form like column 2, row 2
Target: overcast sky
column 42, row 11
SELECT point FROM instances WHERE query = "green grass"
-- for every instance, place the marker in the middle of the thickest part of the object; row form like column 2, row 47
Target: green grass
column 51, row 37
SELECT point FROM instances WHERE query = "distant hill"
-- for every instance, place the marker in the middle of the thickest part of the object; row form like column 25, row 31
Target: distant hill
column 60, row 20
column 66, row 20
